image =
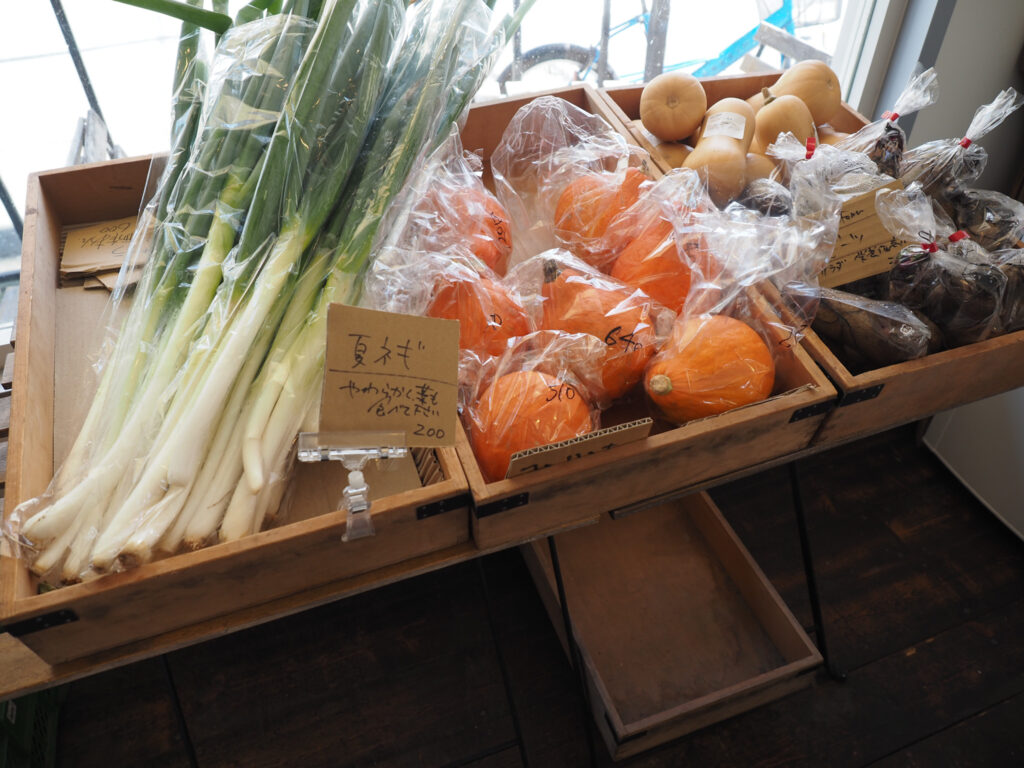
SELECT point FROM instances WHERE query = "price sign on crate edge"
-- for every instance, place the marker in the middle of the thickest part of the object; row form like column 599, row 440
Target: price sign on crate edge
column 391, row 372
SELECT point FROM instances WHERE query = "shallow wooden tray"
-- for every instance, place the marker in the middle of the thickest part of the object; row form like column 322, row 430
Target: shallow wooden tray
column 57, row 332
column 518, row 509
column 677, row 626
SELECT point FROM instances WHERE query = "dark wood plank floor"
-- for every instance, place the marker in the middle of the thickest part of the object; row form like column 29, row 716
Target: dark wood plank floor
column 923, row 598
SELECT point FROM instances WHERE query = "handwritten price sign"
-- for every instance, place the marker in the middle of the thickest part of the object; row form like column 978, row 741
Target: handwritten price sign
column 391, row 372
column 864, row 246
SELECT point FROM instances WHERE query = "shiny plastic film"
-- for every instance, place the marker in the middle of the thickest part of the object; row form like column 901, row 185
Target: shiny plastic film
column 563, row 174
column 945, row 165
column 310, row 124
column 963, row 298
column 866, row 334
column 537, row 392
column 848, row 174
column 883, row 141
column 563, row 293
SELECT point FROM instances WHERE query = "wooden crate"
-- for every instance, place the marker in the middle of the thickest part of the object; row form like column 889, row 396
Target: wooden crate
column 898, row 394
column 676, row 625
column 56, row 328
column 624, row 104
column 554, row 499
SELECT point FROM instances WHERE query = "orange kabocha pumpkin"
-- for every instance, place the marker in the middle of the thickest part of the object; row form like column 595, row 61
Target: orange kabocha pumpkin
column 488, row 314
column 521, row 410
column 588, row 205
column 652, row 262
column 617, row 314
column 710, row 364
column 471, row 217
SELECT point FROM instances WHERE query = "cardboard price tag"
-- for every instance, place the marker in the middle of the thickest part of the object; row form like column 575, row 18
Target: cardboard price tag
column 97, row 247
column 864, row 246
column 578, row 447
column 391, row 372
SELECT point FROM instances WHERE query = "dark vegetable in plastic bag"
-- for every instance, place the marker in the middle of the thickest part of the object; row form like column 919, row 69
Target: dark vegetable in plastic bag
column 991, row 218
column 867, row 334
column 883, row 140
column 767, row 197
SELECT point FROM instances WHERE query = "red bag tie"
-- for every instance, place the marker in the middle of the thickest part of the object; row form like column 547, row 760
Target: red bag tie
column 812, row 144
column 965, row 142
column 892, row 117
column 929, row 247
column 958, row 236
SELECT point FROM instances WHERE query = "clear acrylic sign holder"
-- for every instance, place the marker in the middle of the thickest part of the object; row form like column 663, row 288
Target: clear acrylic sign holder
column 354, row 450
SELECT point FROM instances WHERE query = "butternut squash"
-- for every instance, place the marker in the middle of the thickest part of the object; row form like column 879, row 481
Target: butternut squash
column 720, row 156
column 759, row 167
column 672, row 152
column 781, row 114
column 829, row 135
column 672, row 105
column 813, row 82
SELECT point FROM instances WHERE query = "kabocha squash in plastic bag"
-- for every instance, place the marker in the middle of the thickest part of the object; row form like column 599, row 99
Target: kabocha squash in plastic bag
column 588, row 205
column 488, row 313
column 522, row 410
column 663, row 242
column 710, row 364
column 566, row 294
column 537, row 392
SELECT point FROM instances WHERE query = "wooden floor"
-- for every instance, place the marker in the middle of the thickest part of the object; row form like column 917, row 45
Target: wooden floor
column 923, row 598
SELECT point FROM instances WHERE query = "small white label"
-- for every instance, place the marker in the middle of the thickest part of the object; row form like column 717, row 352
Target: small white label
column 728, row 124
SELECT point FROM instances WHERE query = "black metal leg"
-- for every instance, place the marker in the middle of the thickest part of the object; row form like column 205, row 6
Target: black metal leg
column 501, row 663
column 574, row 651
column 812, row 582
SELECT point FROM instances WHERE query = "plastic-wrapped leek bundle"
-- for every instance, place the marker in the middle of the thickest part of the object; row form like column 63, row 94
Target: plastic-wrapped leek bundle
column 311, row 123
column 883, row 140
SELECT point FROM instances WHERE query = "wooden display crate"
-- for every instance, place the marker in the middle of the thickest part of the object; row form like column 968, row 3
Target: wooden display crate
column 624, row 104
column 898, row 394
column 56, row 337
column 676, row 625
column 556, row 498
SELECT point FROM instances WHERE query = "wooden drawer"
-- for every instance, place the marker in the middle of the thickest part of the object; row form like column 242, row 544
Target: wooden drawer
column 897, row 394
column 677, row 626
column 556, row 498
column 56, row 340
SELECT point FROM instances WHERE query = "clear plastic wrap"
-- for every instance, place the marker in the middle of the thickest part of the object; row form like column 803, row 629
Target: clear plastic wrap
column 722, row 350
column 883, row 141
column 548, row 145
column 308, row 130
column 963, row 298
column 866, row 334
column 651, row 256
column 847, row 174
column 534, row 394
column 1011, row 264
column 566, row 294
column 944, row 166
column 991, row 218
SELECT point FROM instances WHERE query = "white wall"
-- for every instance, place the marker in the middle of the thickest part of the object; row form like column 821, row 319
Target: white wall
column 977, row 58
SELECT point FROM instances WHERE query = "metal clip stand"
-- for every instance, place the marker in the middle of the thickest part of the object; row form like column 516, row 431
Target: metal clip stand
column 351, row 449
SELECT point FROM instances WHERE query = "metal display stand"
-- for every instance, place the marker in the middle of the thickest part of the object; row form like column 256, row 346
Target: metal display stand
column 354, row 450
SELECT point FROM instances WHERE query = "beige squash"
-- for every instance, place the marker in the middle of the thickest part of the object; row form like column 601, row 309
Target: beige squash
column 759, row 167
column 781, row 114
column 829, row 135
column 720, row 156
column 814, row 83
column 672, row 105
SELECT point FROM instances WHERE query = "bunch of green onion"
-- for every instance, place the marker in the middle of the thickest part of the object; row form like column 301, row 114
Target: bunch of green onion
column 284, row 161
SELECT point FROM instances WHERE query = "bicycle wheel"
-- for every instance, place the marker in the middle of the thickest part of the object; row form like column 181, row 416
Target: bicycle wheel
column 553, row 65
